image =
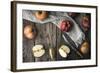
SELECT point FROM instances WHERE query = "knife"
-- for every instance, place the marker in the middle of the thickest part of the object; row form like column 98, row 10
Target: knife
column 71, row 43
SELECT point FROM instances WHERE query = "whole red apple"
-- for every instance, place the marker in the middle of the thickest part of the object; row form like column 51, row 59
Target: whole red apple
column 85, row 23
column 65, row 25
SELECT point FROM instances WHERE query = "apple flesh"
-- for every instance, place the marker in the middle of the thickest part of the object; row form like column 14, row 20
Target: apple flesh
column 65, row 25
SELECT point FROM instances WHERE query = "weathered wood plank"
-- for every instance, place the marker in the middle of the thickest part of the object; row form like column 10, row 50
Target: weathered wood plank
column 27, row 45
column 54, row 43
column 38, row 39
column 51, row 33
column 58, row 42
column 47, row 36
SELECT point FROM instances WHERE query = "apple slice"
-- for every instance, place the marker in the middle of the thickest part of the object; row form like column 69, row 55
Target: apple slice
column 38, row 50
column 64, row 51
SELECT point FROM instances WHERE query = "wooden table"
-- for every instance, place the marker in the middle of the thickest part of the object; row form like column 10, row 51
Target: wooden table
column 44, row 33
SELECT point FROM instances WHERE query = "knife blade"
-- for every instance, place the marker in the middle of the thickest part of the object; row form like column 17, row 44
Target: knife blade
column 71, row 43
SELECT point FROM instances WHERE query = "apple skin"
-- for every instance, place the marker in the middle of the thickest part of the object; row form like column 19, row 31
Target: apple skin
column 86, row 23
column 30, row 32
column 65, row 25
column 84, row 49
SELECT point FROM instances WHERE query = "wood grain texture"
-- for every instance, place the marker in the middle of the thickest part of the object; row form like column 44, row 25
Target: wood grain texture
column 27, row 45
column 50, row 36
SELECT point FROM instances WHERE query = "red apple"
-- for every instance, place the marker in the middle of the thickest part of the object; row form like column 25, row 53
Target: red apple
column 85, row 23
column 65, row 25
